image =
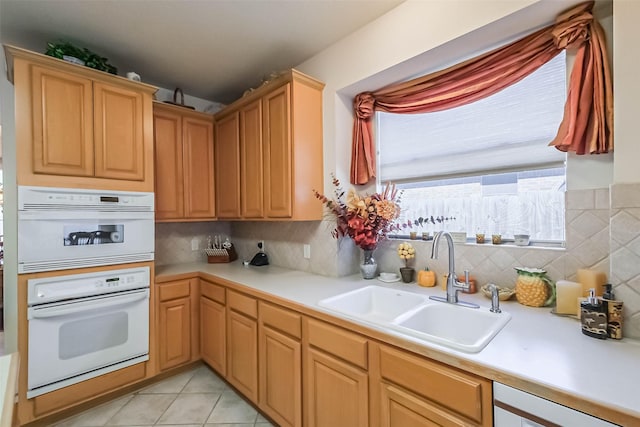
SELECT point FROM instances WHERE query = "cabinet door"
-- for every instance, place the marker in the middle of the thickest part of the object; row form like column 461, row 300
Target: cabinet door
column 251, row 160
column 62, row 123
column 197, row 143
column 228, row 166
column 169, row 194
column 336, row 393
column 242, row 354
column 118, row 132
column 402, row 409
column 174, row 332
column 280, row 377
column 212, row 334
column 277, row 153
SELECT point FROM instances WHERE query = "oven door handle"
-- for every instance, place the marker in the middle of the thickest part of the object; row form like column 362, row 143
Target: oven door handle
column 114, row 301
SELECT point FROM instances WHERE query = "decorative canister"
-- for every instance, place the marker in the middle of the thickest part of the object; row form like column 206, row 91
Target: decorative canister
column 534, row 288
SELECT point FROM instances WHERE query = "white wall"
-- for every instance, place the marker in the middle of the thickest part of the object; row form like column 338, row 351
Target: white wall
column 200, row 104
column 7, row 118
column 418, row 36
column 626, row 33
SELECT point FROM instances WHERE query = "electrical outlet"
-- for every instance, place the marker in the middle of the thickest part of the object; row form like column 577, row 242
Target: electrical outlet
column 195, row 244
column 307, row 251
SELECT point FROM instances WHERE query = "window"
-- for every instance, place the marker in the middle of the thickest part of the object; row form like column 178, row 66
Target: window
column 486, row 164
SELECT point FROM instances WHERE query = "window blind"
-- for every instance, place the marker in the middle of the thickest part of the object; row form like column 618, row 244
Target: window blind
column 508, row 131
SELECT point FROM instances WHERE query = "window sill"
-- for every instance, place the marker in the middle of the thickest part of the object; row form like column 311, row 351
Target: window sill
column 509, row 243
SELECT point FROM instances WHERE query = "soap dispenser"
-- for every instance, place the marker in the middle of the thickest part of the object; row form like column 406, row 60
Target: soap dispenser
column 593, row 317
column 613, row 309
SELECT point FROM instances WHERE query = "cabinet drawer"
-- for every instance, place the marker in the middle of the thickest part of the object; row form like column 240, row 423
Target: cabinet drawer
column 173, row 290
column 242, row 304
column 463, row 393
column 281, row 319
column 212, row 291
column 346, row 345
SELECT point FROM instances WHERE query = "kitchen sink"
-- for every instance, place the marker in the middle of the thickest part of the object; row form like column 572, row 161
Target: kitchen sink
column 413, row 314
column 374, row 303
column 458, row 327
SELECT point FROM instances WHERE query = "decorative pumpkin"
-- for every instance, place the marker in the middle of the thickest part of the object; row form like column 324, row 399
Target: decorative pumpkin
column 426, row 277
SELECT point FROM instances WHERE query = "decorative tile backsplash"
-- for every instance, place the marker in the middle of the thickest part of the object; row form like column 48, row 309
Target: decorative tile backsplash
column 625, row 253
column 173, row 240
column 600, row 234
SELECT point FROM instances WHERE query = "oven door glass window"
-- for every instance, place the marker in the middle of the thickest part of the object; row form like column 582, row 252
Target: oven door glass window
column 92, row 234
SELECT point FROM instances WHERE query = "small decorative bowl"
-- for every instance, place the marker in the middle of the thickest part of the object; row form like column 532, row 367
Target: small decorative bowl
column 503, row 293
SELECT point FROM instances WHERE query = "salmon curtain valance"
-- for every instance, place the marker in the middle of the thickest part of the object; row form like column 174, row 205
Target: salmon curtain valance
column 587, row 125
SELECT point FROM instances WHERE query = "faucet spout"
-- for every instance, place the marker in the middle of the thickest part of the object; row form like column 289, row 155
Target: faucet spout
column 453, row 285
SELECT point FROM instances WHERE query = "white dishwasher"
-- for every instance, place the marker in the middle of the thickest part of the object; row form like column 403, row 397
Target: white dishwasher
column 515, row 408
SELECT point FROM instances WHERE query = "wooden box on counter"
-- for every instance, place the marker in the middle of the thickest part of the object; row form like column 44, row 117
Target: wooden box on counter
column 221, row 255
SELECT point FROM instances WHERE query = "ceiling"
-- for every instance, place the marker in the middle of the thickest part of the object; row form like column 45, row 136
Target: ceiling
column 212, row 49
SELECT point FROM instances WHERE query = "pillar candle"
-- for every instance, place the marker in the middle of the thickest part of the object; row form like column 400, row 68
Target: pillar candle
column 591, row 279
column 567, row 294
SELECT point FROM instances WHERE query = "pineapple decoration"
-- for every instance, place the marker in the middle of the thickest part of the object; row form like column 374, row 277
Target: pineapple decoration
column 534, row 288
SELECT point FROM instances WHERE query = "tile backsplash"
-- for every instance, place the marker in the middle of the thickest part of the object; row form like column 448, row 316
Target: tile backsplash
column 600, row 234
column 173, row 240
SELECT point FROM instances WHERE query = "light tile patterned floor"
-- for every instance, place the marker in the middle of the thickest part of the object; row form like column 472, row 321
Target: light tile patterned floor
column 195, row 398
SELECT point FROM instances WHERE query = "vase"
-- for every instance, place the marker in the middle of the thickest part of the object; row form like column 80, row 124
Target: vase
column 368, row 267
column 407, row 274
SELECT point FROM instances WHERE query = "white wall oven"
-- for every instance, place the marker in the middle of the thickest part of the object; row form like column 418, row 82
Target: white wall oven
column 85, row 325
column 62, row 228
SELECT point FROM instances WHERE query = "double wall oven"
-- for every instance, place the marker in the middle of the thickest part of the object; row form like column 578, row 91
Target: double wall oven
column 88, row 322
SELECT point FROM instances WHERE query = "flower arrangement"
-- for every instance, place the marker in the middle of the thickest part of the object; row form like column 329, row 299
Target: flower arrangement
column 406, row 252
column 366, row 219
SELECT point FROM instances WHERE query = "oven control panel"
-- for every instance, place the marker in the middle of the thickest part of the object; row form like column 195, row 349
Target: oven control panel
column 60, row 288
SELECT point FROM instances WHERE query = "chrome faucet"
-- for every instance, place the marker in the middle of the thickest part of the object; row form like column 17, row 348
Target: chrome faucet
column 495, row 299
column 453, row 285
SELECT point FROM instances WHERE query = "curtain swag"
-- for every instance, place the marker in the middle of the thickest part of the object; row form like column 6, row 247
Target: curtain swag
column 587, row 125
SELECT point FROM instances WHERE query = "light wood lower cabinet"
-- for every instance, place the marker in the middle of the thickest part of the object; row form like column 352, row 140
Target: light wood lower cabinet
column 280, row 365
column 242, row 344
column 336, row 383
column 407, row 391
column 213, row 326
column 176, row 328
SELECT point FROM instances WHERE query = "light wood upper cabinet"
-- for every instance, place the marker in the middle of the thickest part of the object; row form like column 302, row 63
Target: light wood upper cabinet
column 277, row 153
column 78, row 127
column 169, row 198
column 184, row 164
column 62, row 123
column 228, row 166
column 118, row 132
column 198, row 167
column 279, row 132
column 251, row 167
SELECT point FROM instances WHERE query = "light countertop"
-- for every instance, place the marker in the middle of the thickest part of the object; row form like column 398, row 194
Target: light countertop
column 8, row 387
column 538, row 352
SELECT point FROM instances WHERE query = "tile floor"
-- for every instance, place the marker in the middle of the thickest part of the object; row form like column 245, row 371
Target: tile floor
column 196, row 398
